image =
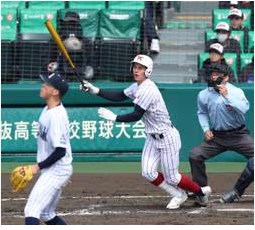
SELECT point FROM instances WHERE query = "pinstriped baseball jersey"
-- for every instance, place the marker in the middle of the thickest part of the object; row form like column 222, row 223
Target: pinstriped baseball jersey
column 156, row 118
column 53, row 133
column 157, row 121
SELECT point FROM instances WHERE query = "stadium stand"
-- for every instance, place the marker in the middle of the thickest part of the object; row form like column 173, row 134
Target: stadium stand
column 114, row 33
column 246, row 59
column 88, row 5
column 251, row 41
column 32, row 23
column 9, row 24
column 126, row 5
column 56, row 5
column 119, row 34
column 236, row 61
column 8, row 35
column 13, row 4
column 89, row 19
column 33, row 41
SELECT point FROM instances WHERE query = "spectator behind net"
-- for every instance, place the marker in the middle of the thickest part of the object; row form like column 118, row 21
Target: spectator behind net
column 239, row 5
column 216, row 52
column 228, row 4
column 236, row 18
column 223, row 31
column 230, row 45
column 71, row 33
column 152, row 36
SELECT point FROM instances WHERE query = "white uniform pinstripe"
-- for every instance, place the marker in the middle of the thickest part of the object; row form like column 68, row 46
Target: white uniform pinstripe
column 53, row 133
column 157, row 121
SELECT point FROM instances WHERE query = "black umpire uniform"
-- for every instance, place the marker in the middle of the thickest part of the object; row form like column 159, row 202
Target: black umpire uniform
column 244, row 180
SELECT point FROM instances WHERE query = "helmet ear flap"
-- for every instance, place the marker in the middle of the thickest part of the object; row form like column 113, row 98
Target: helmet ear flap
column 148, row 72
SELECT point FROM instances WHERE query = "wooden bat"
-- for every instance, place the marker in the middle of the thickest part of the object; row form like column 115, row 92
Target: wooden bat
column 62, row 48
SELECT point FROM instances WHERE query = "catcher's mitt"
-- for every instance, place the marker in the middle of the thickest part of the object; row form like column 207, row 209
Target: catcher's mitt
column 20, row 177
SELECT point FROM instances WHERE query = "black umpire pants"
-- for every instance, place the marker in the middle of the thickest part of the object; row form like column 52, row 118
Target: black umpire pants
column 239, row 141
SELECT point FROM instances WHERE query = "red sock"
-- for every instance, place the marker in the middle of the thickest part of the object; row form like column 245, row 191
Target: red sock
column 158, row 180
column 187, row 184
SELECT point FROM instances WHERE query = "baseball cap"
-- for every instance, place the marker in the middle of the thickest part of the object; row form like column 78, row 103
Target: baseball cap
column 71, row 16
column 57, row 81
column 216, row 47
column 222, row 26
column 235, row 13
column 233, row 3
column 218, row 67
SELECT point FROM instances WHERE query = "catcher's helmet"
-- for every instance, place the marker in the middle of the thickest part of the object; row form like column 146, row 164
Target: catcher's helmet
column 218, row 67
column 145, row 61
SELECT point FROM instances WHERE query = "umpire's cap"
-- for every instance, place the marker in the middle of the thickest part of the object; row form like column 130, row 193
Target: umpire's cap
column 218, row 67
column 57, row 81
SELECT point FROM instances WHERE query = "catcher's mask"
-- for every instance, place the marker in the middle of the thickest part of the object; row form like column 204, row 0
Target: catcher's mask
column 221, row 71
column 145, row 61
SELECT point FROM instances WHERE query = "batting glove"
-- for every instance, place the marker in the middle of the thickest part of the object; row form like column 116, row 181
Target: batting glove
column 107, row 114
column 88, row 87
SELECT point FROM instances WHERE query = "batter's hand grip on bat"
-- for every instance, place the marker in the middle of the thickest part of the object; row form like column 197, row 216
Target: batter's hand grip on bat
column 59, row 42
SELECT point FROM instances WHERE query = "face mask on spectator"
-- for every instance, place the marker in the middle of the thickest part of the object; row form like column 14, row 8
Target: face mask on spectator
column 222, row 37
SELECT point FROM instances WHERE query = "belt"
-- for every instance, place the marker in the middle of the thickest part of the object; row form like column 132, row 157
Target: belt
column 157, row 136
column 231, row 130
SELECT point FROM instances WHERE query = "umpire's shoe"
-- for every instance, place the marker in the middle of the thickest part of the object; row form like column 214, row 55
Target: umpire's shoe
column 230, row 197
column 203, row 200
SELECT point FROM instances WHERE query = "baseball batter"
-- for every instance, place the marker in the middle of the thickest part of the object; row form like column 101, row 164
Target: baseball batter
column 54, row 156
column 163, row 142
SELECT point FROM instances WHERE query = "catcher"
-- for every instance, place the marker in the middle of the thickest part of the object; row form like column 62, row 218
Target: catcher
column 54, row 157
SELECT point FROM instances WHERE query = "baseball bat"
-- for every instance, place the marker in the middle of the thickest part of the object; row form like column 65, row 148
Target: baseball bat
column 62, row 48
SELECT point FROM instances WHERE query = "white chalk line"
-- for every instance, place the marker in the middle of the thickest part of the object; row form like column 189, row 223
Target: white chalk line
column 235, row 210
column 92, row 212
column 112, row 197
column 91, row 209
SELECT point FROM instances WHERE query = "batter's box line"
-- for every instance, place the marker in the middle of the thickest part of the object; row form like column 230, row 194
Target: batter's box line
column 114, row 197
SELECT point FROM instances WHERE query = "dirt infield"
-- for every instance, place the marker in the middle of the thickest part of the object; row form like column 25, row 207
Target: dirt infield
column 122, row 199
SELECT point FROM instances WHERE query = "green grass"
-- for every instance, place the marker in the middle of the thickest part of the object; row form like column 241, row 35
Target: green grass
column 132, row 167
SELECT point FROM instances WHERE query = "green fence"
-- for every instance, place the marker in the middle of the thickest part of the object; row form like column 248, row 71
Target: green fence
column 90, row 134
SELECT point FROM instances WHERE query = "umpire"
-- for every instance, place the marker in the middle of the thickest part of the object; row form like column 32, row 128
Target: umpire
column 221, row 114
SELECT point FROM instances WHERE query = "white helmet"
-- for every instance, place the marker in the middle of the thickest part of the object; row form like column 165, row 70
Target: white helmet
column 145, row 61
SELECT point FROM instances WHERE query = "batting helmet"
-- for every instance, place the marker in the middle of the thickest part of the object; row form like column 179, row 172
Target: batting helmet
column 145, row 61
